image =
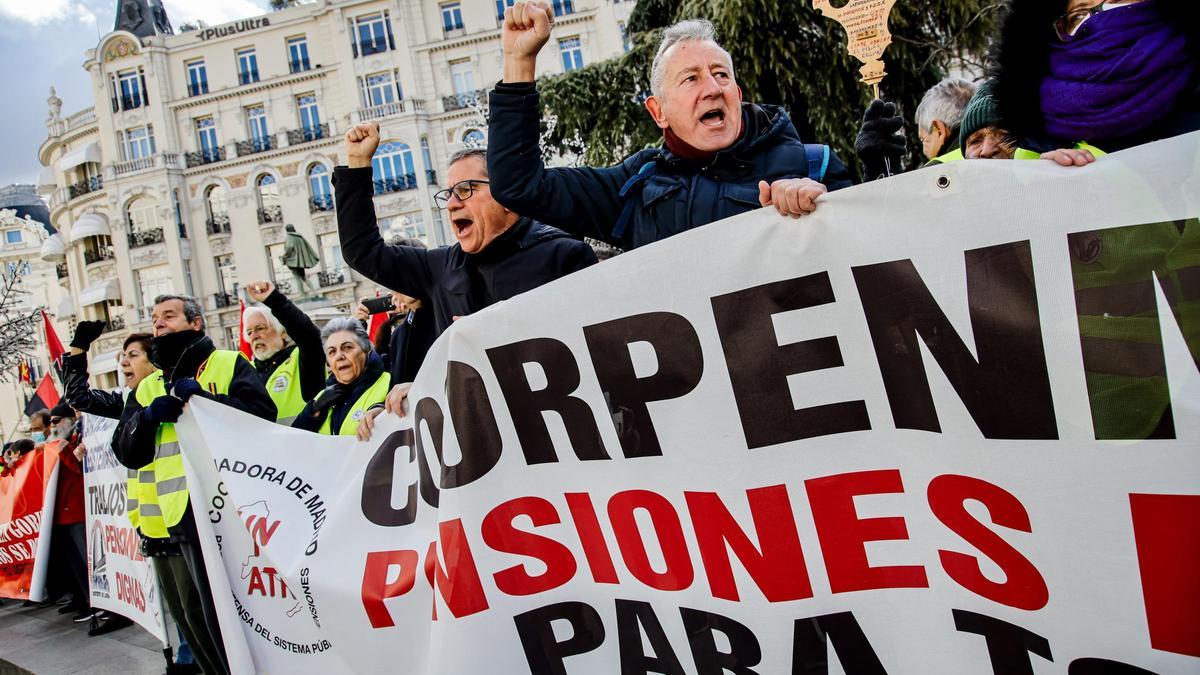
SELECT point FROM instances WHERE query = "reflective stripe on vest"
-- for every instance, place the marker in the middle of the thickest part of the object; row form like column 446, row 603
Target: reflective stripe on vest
column 131, row 496
column 375, row 394
column 162, row 493
column 284, row 388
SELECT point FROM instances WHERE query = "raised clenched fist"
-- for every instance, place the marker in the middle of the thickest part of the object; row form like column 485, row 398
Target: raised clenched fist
column 361, row 141
column 527, row 26
column 259, row 290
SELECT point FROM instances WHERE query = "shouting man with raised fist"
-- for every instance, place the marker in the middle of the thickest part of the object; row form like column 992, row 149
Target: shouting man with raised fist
column 720, row 156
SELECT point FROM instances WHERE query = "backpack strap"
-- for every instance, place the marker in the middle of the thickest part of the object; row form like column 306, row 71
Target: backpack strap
column 817, row 157
column 629, row 193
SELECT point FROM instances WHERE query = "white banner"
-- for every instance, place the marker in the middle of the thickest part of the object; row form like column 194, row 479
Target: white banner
column 121, row 579
column 947, row 424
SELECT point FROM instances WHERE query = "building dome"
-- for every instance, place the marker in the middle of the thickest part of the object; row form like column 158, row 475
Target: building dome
column 25, row 200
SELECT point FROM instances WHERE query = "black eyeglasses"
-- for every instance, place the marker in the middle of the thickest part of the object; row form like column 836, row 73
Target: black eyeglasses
column 1067, row 25
column 462, row 189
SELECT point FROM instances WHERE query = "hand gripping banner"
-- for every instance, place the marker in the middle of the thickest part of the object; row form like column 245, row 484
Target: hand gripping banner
column 26, row 518
column 120, row 578
column 947, row 424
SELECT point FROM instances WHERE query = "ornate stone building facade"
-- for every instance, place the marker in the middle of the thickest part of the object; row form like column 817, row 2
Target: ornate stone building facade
column 203, row 144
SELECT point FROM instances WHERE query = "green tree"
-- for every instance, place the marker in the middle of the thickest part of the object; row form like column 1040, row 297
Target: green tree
column 783, row 52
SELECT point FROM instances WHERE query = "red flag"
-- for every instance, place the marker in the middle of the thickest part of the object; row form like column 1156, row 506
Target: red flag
column 243, row 346
column 52, row 341
column 377, row 320
column 45, row 396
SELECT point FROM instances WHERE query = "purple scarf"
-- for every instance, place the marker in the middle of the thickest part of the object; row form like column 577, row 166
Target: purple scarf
column 1124, row 70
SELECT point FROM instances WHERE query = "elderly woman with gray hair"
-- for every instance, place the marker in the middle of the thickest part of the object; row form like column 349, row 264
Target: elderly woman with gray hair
column 359, row 380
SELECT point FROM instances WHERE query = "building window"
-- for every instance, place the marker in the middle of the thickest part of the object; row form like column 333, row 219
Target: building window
column 331, row 253
column 13, row 237
column 373, row 34
column 227, row 273
column 572, row 53
column 129, row 90
column 280, row 274
column 562, row 7
column 260, row 137
column 206, row 133
column 298, row 54
column 393, row 168
column 137, row 143
column 501, row 5
column 626, row 42
column 452, row 17
column 427, row 160
column 462, row 76
column 142, row 215
column 153, row 282
column 310, row 116
column 320, row 190
column 217, row 207
column 380, row 88
column 18, row 268
column 474, row 138
column 247, row 66
column 197, row 78
column 269, row 209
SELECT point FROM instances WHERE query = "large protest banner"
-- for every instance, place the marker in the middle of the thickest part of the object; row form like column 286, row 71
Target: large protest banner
column 26, row 517
column 947, row 424
column 121, row 579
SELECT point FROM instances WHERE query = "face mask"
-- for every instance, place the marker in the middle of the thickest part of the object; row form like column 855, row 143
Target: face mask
column 38, row 436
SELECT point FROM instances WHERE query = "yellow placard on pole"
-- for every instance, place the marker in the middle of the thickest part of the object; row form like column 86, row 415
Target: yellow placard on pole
column 867, row 34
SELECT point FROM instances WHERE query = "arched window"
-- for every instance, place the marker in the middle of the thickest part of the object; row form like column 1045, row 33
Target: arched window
column 218, row 210
column 320, row 191
column 142, row 215
column 474, row 138
column 393, row 168
column 269, row 209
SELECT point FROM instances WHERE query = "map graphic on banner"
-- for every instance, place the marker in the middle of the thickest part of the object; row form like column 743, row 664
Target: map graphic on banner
column 905, row 434
column 26, row 518
column 121, row 579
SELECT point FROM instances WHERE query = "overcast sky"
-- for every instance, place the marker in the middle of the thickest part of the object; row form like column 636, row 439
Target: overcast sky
column 42, row 44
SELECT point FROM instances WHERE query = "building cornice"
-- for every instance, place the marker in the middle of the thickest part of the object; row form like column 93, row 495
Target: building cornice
column 242, row 90
column 489, row 35
column 259, row 157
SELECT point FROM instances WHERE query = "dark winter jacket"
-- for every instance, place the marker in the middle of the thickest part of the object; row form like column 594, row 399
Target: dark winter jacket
column 81, row 396
column 669, row 196
column 135, row 436
column 448, row 281
column 1021, row 60
column 305, row 336
column 412, row 336
column 336, row 400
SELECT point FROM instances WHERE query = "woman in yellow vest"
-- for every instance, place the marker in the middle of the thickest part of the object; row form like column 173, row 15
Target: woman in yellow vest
column 359, row 381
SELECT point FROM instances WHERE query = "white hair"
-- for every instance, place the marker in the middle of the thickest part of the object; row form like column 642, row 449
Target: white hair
column 267, row 313
column 690, row 30
column 946, row 101
column 349, row 325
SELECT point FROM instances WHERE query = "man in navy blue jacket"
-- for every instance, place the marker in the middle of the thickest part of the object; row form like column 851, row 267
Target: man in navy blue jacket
column 720, row 156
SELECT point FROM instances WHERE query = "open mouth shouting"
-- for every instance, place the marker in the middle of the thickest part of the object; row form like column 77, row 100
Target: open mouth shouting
column 463, row 226
column 713, row 118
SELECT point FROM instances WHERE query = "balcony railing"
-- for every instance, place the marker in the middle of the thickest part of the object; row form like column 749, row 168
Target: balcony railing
column 61, row 271
column 115, row 323
column 332, row 278
column 133, row 165
column 407, row 181
column 223, row 300
column 284, row 286
column 270, row 214
column 298, row 66
column 248, row 76
column 94, row 256
column 255, row 145
column 81, row 118
column 197, row 88
column 320, row 203
column 205, row 157
column 463, row 100
column 85, row 186
column 146, row 237
column 307, row 134
column 218, row 224
column 388, row 109
column 126, row 102
column 370, row 47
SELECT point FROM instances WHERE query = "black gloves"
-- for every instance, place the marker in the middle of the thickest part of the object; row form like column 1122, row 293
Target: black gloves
column 878, row 145
column 86, row 333
column 164, row 409
column 328, row 398
column 186, row 388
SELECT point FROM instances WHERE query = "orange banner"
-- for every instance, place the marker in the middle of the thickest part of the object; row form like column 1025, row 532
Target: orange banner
column 26, row 511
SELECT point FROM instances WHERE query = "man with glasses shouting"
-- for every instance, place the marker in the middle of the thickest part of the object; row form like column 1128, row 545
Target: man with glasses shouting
column 499, row 253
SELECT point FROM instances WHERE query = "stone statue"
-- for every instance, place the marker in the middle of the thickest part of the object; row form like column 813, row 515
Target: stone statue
column 55, row 104
column 299, row 256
